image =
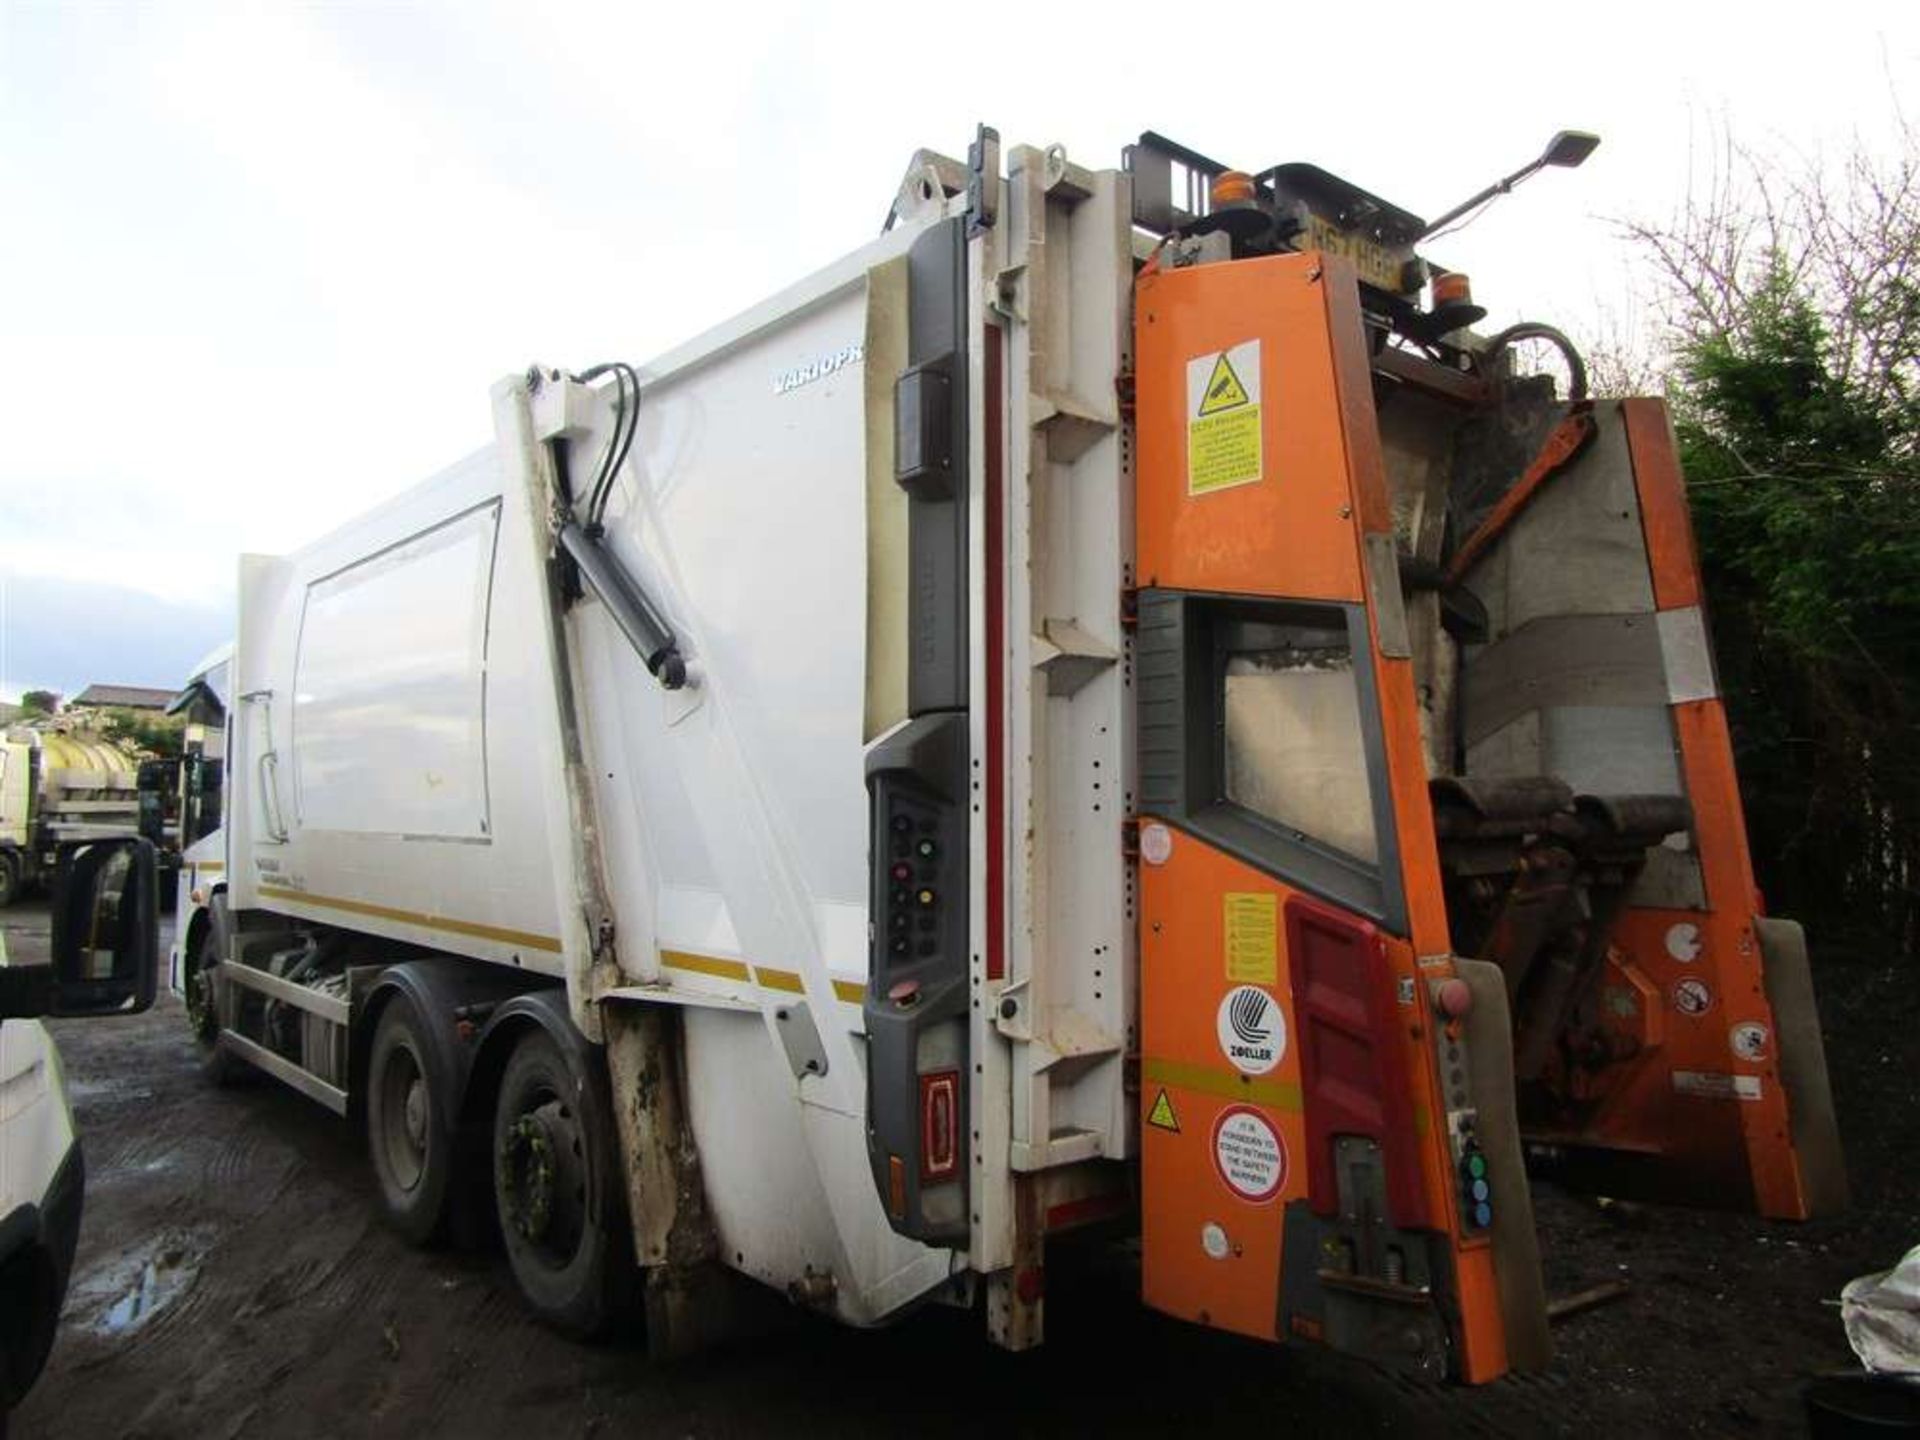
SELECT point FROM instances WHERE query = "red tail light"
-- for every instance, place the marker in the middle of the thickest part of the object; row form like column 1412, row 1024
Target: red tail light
column 939, row 1125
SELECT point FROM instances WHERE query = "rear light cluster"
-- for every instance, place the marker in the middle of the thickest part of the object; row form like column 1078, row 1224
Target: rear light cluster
column 913, row 899
column 939, row 1125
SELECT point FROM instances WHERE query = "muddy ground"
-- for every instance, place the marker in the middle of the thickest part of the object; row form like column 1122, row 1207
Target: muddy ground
column 232, row 1280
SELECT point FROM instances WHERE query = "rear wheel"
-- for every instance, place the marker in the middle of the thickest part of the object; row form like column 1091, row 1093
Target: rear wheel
column 561, row 1216
column 407, row 1135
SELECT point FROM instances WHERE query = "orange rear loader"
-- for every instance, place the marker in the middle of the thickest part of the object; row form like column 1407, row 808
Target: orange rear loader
column 1442, row 868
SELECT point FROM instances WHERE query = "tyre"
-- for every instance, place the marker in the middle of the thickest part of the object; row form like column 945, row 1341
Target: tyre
column 562, row 1218
column 9, row 880
column 407, row 1133
column 203, row 1014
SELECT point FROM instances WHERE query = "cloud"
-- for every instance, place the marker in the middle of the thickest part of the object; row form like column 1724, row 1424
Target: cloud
column 61, row 634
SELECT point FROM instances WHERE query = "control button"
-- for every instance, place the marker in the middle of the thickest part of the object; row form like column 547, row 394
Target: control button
column 926, row 849
column 925, row 897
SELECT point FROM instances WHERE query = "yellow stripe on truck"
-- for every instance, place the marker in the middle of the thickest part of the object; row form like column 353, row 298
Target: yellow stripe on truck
column 1274, row 1094
column 525, row 939
column 786, row 981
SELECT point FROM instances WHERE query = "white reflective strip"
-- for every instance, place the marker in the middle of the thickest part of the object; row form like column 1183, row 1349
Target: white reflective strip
column 1686, row 655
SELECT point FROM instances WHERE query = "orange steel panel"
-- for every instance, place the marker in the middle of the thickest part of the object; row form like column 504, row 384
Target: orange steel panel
column 1663, row 503
column 1719, row 1145
column 1226, row 540
column 1296, row 532
column 1183, row 978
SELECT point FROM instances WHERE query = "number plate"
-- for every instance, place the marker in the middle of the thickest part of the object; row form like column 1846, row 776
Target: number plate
column 1376, row 263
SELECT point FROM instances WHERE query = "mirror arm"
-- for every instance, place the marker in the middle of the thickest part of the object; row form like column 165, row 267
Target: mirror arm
column 26, row 991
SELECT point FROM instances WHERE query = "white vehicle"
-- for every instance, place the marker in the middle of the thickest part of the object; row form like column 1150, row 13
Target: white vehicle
column 1002, row 737
column 105, row 896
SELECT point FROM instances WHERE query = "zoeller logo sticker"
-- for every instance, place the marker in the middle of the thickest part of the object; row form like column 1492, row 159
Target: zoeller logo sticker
column 1252, row 1029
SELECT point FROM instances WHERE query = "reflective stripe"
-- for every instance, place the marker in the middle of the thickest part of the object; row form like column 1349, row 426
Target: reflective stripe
column 1274, row 1094
column 523, row 938
column 850, row 991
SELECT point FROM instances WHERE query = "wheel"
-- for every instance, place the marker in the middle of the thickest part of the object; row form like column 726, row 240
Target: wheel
column 9, row 880
column 203, row 1014
column 407, row 1133
column 554, row 1182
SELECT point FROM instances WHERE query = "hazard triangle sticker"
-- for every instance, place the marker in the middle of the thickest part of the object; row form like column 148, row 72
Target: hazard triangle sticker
column 1161, row 1115
column 1224, row 390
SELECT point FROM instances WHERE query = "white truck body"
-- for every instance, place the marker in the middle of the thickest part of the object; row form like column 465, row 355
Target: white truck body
column 397, row 757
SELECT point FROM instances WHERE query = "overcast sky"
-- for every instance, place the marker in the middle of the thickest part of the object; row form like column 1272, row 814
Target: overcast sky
column 259, row 265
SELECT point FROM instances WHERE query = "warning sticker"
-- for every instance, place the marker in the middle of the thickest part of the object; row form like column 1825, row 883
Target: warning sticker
column 1253, row 922
column 1161, row 1115
column 1749, row 1041
column 1223, row 419
column 1252, row 1030
column 1248, row 1153
column 1716, row 1085
column 1692, row 997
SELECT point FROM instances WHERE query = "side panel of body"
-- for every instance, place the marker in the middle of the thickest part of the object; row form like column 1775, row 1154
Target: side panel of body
column 303, row 842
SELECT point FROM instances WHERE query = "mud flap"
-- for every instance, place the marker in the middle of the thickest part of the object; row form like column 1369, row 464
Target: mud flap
column 1788, row 976
column 1516, row 1245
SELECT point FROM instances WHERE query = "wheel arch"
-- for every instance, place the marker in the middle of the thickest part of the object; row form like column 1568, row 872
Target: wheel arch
column 444, row 992
column 546, row 1011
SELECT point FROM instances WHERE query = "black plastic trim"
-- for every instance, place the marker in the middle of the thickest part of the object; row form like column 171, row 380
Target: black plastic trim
column 932, row 467
column 1182, row 760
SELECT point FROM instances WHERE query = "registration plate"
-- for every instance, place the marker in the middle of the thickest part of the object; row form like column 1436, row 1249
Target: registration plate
column 1377, row 264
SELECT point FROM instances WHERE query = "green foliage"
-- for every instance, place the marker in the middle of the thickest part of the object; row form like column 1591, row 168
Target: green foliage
column 40, row 702
column 158, row 735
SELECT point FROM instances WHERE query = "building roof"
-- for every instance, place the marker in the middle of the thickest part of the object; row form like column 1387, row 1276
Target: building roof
column 124, row 697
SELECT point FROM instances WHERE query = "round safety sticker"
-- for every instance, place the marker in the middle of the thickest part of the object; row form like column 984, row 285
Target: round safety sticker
column 1692, row 997
column 1252, row 1030
column 1749, row 1041
column 1156, row 843
column 1248, row 1153
column 1683, row 941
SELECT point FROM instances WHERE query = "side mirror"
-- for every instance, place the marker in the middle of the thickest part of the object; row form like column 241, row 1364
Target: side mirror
column 106, row 929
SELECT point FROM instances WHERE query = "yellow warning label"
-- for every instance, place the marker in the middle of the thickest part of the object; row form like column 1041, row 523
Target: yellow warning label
column 1162, row 1116
column 1223, row 419
column 1253, row 956
column 1224, row 390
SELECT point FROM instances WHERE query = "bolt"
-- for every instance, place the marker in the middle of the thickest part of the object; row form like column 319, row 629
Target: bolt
column 1009, row 1008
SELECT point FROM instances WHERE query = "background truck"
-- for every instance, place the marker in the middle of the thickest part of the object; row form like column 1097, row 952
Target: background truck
column 57, row 786
column 1109, row 706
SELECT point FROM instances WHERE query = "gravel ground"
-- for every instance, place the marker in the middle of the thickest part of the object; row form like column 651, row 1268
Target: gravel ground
column 233, row 1280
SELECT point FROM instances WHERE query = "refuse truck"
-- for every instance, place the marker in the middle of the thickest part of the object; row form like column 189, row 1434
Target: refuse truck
column 1111, row 708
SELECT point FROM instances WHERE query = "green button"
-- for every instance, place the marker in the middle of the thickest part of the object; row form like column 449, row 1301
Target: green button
column 1476, row 1165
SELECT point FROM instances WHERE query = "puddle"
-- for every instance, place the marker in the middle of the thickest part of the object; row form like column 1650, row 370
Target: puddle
column 128, row 1302
column 116, row 1090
